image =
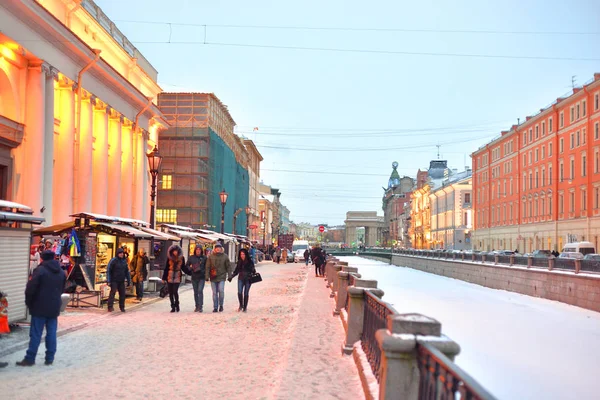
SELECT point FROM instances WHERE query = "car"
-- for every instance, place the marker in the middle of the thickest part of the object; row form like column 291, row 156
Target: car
column 542, row 254
column 290, row 256
column 299, row 255
column 592, row 257
column 260, row 256
column 505, row 252
column 572, row 255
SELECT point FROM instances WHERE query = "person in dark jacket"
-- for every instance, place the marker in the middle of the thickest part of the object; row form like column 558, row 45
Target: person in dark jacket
column 243, row 269
column 117, row 273
column 139, row 272
column 196, row 266
column 316, row 255
column 306, row 256
column 42, row 297
column 174, row 267
column 218, row 269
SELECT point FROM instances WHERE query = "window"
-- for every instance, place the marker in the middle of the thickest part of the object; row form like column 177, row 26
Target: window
column 572, row 114
column 550, row 175
column 561, row 119
column 596, row 161
column 537, row 179
column 550, row 125
column 543, row 152
column 529, row 157
column 530, row 135
column 596, row 195
column 561, row 204
column 561, row 145
column 524, row 182
column 572, row 202
column 583, row 200
column 524, row 138
column 596, row 130
column 583, row 136
column 166, row 216
column 572, row 175
column 583, row 108
column 524, row 209
column 577, row 141
column 549, row 149
column 543, row 177
column 577, row 111
column 468, row 198
column 550, row 206
column 596, row 101
column 537, row 152
column 524, row 160
column 510, row 212
column 572, row 140
column 543, row 128
column 530, row 180
column 511, row 185
column 537, row 131
column 583, row 165
column 561, row 171
column 167, row 182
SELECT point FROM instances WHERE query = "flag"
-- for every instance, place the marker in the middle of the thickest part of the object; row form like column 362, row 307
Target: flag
column 74, row 247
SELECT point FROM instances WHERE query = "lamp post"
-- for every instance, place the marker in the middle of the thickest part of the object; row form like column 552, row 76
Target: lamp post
column 223, row 196
column 154, row 161
column 248, row 211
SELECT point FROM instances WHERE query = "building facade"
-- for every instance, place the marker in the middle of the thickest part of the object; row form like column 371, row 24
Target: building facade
column 201, row 157
column 395, row 199
column 78, row 112
column 537, row 186
column 451, row 219
column 254, row 160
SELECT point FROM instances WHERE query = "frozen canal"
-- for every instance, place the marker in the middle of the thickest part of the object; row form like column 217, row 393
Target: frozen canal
column 516, row 346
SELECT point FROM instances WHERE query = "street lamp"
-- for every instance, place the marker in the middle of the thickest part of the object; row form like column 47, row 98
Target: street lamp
column 223, row 196
column 248, row 211
column 154, row 161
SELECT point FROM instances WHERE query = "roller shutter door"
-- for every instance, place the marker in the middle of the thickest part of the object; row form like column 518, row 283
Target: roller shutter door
column 14, row 271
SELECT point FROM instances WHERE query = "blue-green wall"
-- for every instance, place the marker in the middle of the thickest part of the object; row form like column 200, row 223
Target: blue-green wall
column 226, row 173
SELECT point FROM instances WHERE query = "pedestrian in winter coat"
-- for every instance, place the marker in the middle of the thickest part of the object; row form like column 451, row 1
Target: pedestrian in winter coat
column 196, row 266
column 278, row 254
column 243, row 270
column 42, row 297
column 284, row 254
column 139, row 272
column 218, row 269
column 317, row 258
column 174, row 267
column 306, row 256
column 117, row 273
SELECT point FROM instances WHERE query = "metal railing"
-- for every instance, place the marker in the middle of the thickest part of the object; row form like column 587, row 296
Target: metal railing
column 564, row 263
column 440, row 378
column 375, row 318
column 590, row 266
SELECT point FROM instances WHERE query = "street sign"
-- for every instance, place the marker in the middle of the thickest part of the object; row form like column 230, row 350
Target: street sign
column 321, row 229
column 253, row 226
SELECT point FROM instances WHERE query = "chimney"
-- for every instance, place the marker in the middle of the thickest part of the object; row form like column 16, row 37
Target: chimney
column 597, row 76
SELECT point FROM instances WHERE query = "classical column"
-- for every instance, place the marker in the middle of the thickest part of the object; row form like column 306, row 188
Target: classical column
column 63, row 160
column 126, row 169
column 100, row 181
column 31, row 171
column 114, row 164
column 145, row 177
column 138, row 175
column 51, row 74
column 86, row 153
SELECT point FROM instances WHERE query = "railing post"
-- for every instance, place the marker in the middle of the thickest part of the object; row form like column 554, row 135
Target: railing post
column 399, row 370
column 483, row 257
column 473, row 257
column 529, row 262
column 496, row 259
column 344, row 277
column 328, row 272
column 551, row 262
column 511, row 260
column 356, row 311
column 335, row 287
column 577, row 266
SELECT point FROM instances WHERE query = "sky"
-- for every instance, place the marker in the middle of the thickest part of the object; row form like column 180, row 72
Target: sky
column 340, row 89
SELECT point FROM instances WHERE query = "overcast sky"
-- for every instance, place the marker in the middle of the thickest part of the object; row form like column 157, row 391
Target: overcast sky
column 331, row 121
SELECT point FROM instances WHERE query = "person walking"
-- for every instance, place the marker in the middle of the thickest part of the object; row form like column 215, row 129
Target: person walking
column 284, row 254
column 42, row 297
column 253, row 254
column 316, row 255
column 306, row 256
column 278, row 254
column 243, row 270
column 172, row 274
column 218, row 268
column 139, row 272
column 117, row 273
column 196, row 267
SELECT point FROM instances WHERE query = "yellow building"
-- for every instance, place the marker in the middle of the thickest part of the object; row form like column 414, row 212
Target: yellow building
column 77, row 111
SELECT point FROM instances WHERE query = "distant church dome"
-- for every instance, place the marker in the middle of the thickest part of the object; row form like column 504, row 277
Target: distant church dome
column 394, row 177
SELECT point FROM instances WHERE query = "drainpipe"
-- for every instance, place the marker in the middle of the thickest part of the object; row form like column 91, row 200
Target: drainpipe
column 78, row 127
column 72, row 10
column 143, row 110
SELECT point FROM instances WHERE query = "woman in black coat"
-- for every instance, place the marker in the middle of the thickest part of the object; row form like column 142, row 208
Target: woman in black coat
column 243, row 269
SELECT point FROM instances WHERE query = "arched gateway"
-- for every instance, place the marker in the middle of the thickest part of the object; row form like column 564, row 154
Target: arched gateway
column 372, row 223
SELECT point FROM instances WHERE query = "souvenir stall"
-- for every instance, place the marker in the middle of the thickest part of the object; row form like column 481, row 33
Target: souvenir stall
column 92, row 242
column 229, row 242
column 16, row 223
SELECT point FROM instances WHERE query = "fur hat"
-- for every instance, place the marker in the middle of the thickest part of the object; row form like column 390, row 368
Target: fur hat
column 48, row 255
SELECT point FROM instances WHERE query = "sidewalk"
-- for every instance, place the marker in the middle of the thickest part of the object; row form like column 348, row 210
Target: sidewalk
column 286, row 346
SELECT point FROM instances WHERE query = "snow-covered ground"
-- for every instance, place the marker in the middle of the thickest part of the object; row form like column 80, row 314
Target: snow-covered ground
column 516, row 346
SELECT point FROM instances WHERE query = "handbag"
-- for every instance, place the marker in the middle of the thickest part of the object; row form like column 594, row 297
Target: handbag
column 164, row 291
column 213, row 273
column 255, row 277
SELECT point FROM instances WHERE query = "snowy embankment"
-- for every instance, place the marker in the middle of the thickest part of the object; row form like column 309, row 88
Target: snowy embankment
column 516, row 346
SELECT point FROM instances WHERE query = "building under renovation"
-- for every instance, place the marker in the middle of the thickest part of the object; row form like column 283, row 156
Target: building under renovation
column 201, row 157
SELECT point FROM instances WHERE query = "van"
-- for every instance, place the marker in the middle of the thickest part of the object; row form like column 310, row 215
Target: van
column 579, row 247
column 298, row 247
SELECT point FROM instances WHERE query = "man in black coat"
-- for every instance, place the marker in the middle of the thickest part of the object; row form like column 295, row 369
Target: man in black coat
column 42, row 297
column 117, row 272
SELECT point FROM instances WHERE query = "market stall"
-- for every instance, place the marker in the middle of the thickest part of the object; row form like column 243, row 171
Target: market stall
column 16, row 223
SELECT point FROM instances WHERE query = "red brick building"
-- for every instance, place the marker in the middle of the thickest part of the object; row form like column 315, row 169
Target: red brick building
column 537, row 186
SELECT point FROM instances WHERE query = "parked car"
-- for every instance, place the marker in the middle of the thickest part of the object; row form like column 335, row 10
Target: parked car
column 571, row 254
column 592, row 257
column 290, row 256
column 506, row 252
column 299, row 255
column 542, row 254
